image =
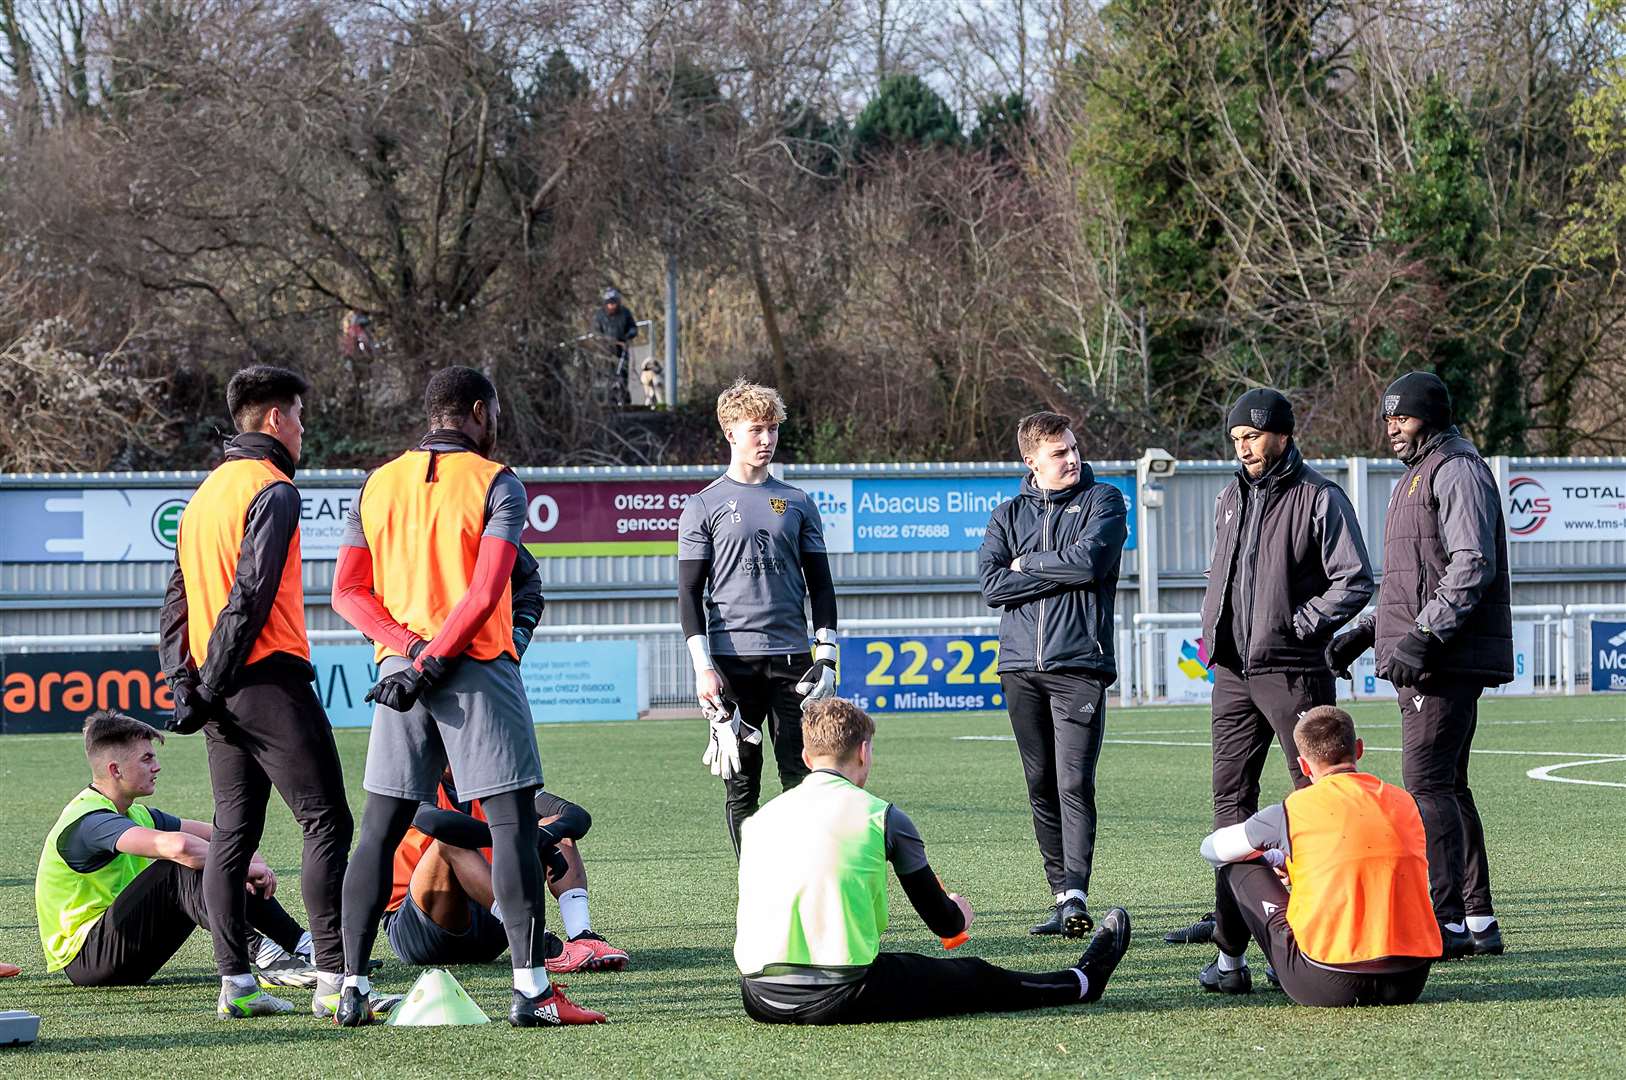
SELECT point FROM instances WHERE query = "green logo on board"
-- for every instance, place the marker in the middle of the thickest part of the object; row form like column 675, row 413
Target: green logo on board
column 166, row 522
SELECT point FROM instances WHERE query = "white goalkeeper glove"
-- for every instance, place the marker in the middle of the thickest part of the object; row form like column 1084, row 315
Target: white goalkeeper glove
column 820, row 680
column 727, row 732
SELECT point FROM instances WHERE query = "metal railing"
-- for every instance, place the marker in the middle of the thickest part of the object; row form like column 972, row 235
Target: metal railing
column 1552, row 654
column 1558, row 630
column 663, row 657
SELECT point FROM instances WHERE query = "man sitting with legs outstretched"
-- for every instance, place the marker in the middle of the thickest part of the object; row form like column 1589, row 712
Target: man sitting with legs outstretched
column 813, row 905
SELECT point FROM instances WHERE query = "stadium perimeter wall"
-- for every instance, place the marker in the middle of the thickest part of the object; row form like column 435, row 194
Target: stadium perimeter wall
column 83, row 553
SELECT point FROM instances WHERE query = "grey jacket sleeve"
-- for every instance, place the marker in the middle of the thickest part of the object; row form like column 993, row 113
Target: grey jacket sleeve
column 1348, row 568
column 1265, row 833
column 1466, row 491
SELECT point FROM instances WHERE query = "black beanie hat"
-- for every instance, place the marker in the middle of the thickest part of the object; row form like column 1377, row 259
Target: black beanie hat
column 1420, row 394
column 1265, row 409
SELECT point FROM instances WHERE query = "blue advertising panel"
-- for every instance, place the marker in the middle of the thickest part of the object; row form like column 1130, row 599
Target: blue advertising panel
column 921, row 673
column 941, row 513
column 565, row 681
column 1608, row 656
column 344, row 674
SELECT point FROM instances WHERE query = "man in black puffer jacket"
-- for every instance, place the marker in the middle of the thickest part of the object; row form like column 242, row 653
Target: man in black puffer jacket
column 1289, row 568
column 1049, row 562
column 1443, row 632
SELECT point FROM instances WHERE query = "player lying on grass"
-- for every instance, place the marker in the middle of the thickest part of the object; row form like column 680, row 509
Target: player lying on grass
column 120, row 885
column 441, row 908
column 1358, row 927
column 813, row 905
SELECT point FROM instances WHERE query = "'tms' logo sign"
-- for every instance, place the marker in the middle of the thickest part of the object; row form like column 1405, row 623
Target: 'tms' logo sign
column 1528, row 505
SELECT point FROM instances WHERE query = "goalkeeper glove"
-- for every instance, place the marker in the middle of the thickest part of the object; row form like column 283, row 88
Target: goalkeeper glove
column 819, row 681
column 727, row 732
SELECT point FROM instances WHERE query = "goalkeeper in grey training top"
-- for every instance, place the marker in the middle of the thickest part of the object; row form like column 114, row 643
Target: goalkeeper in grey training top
column 750, row 556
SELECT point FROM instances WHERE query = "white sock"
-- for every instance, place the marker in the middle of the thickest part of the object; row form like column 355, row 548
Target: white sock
column 304, row 950
column 1227, row 962
column 1060, row 897
column 360, row 982
column 1076, row 894
column 1480, row 923
column 573, row 911
column 332, row 980
column 1083, row 983
column 1456, row 927
column 237, row 985
column 531, row 981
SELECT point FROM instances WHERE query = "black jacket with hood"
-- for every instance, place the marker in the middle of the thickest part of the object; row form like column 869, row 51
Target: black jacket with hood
column 1056, row 612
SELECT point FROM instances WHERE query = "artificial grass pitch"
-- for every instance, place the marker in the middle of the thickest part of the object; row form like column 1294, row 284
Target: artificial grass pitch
column 662, row 886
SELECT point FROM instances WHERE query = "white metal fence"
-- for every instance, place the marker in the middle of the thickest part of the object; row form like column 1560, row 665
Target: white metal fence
column 665, row 669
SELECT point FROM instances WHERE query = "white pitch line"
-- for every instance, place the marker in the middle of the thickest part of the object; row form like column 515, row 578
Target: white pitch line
column 1546, row 772
column 1600, row 758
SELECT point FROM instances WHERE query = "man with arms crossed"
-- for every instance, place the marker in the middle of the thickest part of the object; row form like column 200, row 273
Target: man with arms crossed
column 424, row 572
column 750, row 556
column 1049, row 562
column 233, row 646
column 120, row 884
column 1443, row 632
column 1357, row 928
column 1288, row 570
column 813, row 905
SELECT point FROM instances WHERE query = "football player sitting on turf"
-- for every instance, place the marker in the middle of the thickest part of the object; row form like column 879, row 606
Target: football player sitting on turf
column 441, row 906
column 813, row 905
column 120, row 885
column 1358, row 927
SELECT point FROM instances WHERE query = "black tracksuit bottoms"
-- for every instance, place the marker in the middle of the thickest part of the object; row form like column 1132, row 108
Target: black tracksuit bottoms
column 275, row 734
column 152, row 918
column 908, row 986
column 1261, row 899
column 1249, row 714
column 1058, row 718
column 1436, row 736
column 764, row 687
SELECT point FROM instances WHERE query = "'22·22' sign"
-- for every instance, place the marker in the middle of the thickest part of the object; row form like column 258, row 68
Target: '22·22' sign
column 921, row 673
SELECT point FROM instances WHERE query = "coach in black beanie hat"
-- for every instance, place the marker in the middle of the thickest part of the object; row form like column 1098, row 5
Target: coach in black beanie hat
column 1420, row 394
column 1264, row 409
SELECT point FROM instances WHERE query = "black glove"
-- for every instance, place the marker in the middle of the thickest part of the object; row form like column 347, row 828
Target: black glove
column 1408, row 659
column 522, row 638
column 195, row 706
column 1347, row 648
column 400, row 691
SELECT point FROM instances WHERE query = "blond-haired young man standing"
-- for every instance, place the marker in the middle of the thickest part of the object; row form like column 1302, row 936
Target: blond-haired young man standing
column 750, row 557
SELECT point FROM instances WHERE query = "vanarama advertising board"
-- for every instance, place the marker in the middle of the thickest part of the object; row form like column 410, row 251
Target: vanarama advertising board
column 55, row 691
